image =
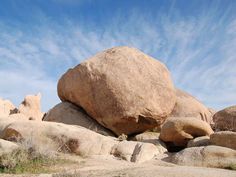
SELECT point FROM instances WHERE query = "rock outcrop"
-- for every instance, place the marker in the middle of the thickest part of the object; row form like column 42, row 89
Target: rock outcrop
column 225, row 119
column 206, row 156
column 224, row 138
column 69, row 113
column 179, row 130
column 188, row 106
column 75, row 139
column 122, row 88
column 199, row 141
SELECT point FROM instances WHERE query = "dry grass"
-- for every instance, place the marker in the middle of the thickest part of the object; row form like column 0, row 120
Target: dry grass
column 31, row 157
column 231, row 167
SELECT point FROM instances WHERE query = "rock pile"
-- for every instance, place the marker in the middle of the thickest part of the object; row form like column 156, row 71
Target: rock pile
column 112, row 103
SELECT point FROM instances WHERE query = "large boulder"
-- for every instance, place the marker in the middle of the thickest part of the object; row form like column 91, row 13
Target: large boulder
column 179, row 130
column 69, row 113
column 74, row 139
column 122, row 88
column 224, row 138
column 188, row 106
column 205, row 156
column 225, row 119
column 6, row 108
column 58, row 137
column 31, row 107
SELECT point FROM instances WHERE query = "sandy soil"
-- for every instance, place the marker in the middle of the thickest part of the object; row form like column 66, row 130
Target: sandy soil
column 108, row 166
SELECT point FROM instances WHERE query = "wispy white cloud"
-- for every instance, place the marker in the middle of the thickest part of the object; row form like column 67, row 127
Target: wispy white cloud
column 199, row 51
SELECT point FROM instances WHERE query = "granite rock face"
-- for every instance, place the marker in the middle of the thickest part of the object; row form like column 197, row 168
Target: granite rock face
column 71, row 114
column 122, row 88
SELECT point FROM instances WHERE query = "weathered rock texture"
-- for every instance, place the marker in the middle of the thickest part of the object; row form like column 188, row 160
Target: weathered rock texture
column 206, row 156
column 31, row 108
column 188, row 106
column 69, row 113
column 7, row 147
column 224, row 138
column 74, row 139
column 179, row 130
column 122, row 88
column 225, row 119
column 199, row 141
column 146, row 136
column 135, row 151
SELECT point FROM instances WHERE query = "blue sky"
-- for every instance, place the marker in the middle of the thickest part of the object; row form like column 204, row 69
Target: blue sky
column 41, row 39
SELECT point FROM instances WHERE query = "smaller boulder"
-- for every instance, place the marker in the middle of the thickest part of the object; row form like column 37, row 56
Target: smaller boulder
column 205, row 156
column 199, row 141
column 188, row 106
column 135, row 151
column 224, row 138
column 146, row 136
column 71, row 114
column 225, row 119
column 151, row 137
column 179, row 130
